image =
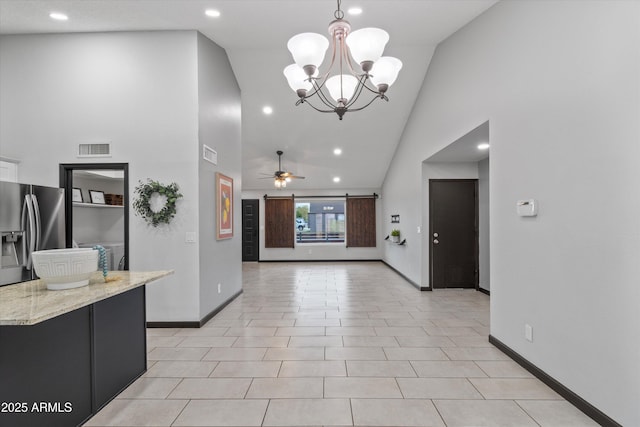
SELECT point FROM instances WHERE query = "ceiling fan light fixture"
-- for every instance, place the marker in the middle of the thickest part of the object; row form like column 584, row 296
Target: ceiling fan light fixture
column 345, row 84
column 281, row 177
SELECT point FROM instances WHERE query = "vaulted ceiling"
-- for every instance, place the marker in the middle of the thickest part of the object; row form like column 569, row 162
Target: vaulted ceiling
column 255, row 34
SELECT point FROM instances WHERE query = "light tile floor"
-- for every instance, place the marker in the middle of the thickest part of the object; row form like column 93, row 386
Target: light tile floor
column 337, row 344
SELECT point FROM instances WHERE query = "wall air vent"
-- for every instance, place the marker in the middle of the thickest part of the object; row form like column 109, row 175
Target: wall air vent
column 209, row 154
column 94, row 150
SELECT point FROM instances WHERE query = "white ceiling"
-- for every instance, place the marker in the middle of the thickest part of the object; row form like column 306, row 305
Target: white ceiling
column 255, row 34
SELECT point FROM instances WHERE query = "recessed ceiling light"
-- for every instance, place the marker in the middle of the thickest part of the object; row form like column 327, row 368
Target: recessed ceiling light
column 337, row 151
column 58, row 16
column 212, row 13
column 483, row 146
column 354, row 11
column 267, row 110
column 336, row 179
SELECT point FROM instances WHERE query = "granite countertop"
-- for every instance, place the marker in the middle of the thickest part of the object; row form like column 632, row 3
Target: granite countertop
column 31, row 302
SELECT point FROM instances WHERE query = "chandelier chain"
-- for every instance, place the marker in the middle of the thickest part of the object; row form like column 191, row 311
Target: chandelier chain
column 338, row 14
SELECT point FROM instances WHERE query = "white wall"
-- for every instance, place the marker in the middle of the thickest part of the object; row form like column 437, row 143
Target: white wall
column 138, row 91
column 219, row 113
column 321, row 251
column 559, row 83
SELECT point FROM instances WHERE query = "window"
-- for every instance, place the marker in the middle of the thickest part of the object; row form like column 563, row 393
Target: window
column 350, row 221
column 320, row 221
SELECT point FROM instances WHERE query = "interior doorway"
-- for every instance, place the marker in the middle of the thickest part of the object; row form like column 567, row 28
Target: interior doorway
column 97, row 206
column 453, row 228
column 250, row 230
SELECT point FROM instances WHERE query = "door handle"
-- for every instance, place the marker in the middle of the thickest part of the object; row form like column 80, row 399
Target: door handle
column 30, row 229
column 36, row 212
column 436, row 241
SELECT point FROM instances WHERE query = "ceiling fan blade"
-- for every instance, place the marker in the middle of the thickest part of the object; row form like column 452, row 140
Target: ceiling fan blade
column 295, row 177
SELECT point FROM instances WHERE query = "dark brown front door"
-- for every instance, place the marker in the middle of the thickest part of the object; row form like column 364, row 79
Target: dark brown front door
column 250, row 224
column 453, row 217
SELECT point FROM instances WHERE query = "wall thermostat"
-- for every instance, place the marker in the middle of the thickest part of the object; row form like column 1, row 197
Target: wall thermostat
column 527, row 207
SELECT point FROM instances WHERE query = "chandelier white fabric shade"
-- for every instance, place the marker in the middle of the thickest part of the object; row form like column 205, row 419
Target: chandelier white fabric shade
column 359, row 60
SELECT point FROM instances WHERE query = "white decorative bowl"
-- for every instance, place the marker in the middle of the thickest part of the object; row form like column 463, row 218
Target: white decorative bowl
column 65, row 268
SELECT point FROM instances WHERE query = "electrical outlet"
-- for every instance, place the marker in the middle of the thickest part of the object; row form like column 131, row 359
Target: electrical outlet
column 219, row 287
column 528, row 332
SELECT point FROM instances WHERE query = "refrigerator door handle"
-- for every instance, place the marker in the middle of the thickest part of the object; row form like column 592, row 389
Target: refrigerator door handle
column 36, row 211
column 29, row 227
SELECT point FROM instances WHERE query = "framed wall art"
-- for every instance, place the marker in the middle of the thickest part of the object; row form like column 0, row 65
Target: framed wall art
column 224, row 207
column 76, row 195
column 97, row 197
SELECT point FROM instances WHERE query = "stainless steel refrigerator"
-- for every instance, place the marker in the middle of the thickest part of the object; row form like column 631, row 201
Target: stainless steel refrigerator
column 32, row 218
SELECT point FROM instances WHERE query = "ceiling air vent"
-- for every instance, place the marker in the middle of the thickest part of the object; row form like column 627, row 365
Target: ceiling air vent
column 94, row 150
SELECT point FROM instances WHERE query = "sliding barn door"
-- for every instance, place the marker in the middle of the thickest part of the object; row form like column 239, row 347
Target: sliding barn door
column 361, row 222
column 279, row 221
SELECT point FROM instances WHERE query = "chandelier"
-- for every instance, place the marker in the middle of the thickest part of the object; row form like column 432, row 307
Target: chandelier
column 374, row 74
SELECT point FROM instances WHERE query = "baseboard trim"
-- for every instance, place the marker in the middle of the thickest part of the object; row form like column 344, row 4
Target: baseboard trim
column 177, row 324
column 195, row 324
column 571, row 397
column 320, row 260
column 420, row 288
column 484, row 291
column 210, row 316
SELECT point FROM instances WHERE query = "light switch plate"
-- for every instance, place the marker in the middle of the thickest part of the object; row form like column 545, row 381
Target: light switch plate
column 528, row 332
column 190, row 237
column 528, row 207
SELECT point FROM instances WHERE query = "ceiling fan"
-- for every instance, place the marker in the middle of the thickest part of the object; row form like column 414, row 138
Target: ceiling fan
column 281, row 177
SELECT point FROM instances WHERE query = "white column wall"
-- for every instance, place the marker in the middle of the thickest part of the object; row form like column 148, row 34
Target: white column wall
column 139, row 92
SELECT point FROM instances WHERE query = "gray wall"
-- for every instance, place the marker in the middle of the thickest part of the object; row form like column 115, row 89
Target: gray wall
column 139, row 91
column 484, row 225
column 559, row 83
column 219, row 117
